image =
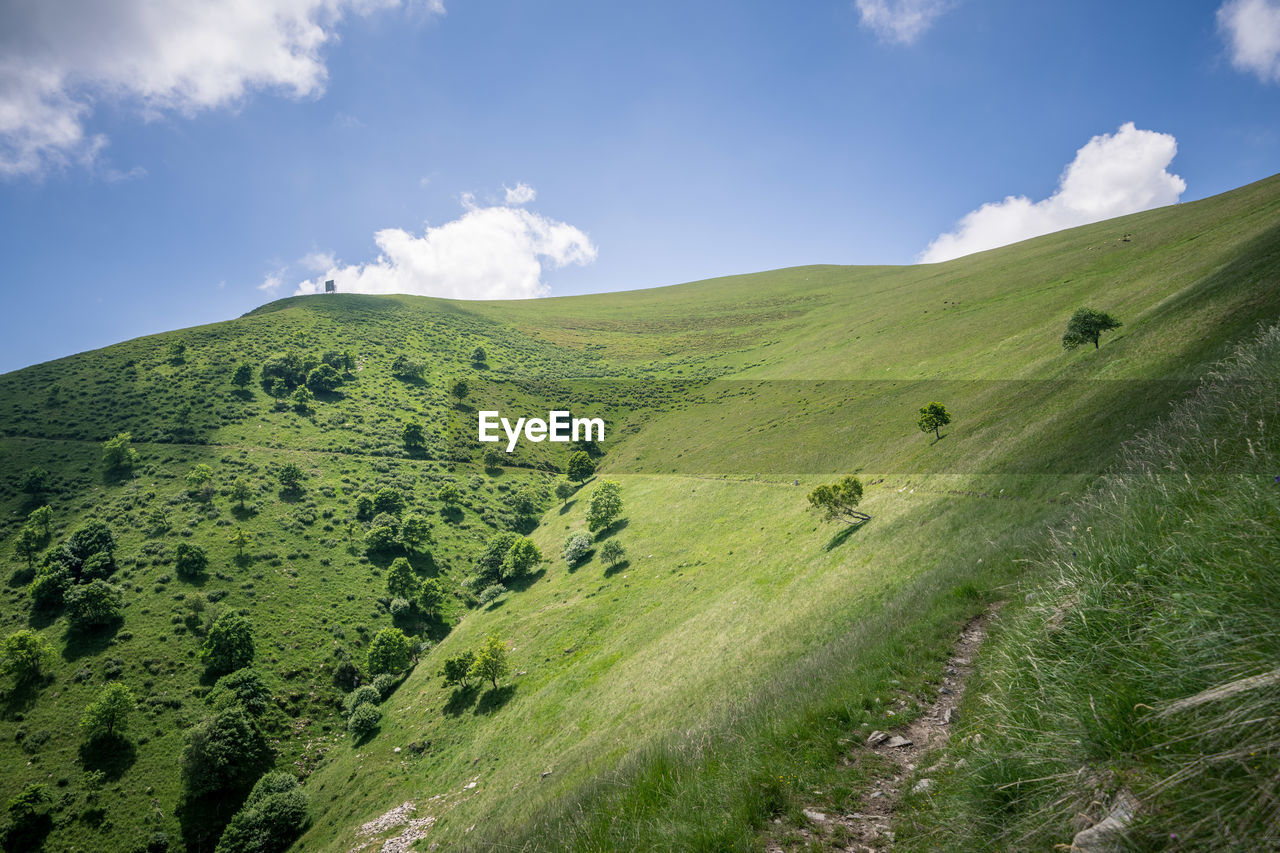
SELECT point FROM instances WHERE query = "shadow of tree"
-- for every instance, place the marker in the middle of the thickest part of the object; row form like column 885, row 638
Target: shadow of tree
column 619, row 566
column 243, row 513
column 29, row 835
column 461, row 699
column 840, row 537
column 568, row 505
column 617, row 527
column 78, row 642
column 494, row 698
column 113, row 756
column 523, row 582
column 20, row 698
column 452, row 514
column 203, row 819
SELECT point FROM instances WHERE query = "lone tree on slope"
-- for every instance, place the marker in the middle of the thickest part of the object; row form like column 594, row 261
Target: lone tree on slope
column 838, row 501
column 933, row 417
column 1087, row 325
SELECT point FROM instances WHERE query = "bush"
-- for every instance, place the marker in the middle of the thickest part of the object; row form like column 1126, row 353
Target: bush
column 224, row 752
column 389, row 651
column 521, row 558
column 49, row 587
column 244, row 688
column 385, row 684
column 491, row 593
column 379, row 540
column 605, row 506
column 430, row 597
column 364, row 721
column 612, row 552
column 274, row 814
column 366, row 694
column 399, row 607
column 457, row 670
column 93, row 605
column 229, row 645
column 26, row 656
column 576, row 547
column 190, row 561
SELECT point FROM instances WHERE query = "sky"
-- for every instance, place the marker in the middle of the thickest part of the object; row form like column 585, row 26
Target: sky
column 165, row 164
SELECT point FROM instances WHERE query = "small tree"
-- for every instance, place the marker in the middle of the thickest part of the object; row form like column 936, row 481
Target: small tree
column 241, row 491
column 457, row 670
column 93, row 605
column 290, row 476
column 28, row 544
column 229, row 645
column 240, row 539
column 244, row 688
column 478, row 355
column 401, row 581
column 605, row 506
column 489, row 560
column 414, row 436
column 34, row 482
column 364, row 721
column 177, row 352
column 491, row 661
column 301, row 400
column 107, row 717
column 580, row 467
column 494, row 458
column 520, row 559
column 415, row 533
column 564, row 491
column 364, row 507
column 224, row 752
column 933, row 417
column 449, row 495
column 200, row 481
column 838, row 501
column 576, row 547
column 404, row 367
column 390, row 651
column 323, row 379
column 190, row 561
column 1087, row 325
column 612, row 552
column 118, row 455
column 49, row 586
column 388, row 500
column 26, row 655
column 459, row 390
column 381, row 539
column 243, row 377
column 41, row 518
column 271, row 818
column 430, row 597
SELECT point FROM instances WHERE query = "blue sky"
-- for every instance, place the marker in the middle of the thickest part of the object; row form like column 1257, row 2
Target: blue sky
column 159, row 170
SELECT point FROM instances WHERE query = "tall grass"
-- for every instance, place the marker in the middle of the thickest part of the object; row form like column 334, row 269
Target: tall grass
column 1146, row 655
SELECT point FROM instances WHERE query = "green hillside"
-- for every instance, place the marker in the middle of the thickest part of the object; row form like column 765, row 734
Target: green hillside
column 686, row 696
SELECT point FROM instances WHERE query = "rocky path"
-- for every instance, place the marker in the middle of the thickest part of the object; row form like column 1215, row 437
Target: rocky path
column 869, row 829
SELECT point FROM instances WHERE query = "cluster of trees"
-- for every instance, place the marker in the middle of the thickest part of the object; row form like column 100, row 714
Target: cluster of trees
column 507, row 556
column 490, row 663
column 390, row 527
column 118, row 455
column 74, row 577
column 297, row 377
column 273, row 815
column 408, row 591
column 577, row 547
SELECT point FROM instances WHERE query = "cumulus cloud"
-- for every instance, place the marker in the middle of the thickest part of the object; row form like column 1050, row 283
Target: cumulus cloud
column 58, row 58
column 1252, row 30
column 488, row 253
column 271, row 283
column 900, row 21
column 1112, row 175
column 521, row 193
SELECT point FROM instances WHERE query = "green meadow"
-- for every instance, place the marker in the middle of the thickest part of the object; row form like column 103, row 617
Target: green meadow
column 699, row 692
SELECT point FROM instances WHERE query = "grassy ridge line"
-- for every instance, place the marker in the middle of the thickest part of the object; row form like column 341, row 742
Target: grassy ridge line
column 1163, row 586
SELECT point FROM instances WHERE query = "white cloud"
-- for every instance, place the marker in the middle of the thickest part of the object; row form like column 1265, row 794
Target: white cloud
column 271, row 283
column 521, row 193
column 1252, row 29
column 58, row 58
column 1112, row 175
column 317, row 261
column 487, row 253
column 900, row 21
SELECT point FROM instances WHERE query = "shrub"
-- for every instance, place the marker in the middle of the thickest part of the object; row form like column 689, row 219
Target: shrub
column 457, row 670
column 223, row 752
column 93, row 605
column 388, row 500
column 576, row 547
column 244, row 688
column 229, row 645
column 605, row 506
column 107, row 717
column 366, row 694
column 491, row 593
column 399, row 607
column 274, row 814
column 190, row 561
column 364, row 721
column 26, row 656
column 385, row 684
column 612, row 552
column 521, row 558
column 389, row 651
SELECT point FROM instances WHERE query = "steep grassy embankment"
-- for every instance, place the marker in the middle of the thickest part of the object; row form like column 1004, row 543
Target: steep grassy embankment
column 697, row 689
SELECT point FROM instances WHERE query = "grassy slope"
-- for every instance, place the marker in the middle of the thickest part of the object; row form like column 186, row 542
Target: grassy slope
column 1160, row 592
column 689, row 637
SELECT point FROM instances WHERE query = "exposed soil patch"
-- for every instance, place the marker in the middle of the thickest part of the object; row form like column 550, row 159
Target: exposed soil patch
column 869, row 828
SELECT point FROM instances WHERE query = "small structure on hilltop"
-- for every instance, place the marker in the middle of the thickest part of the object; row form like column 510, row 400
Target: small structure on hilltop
column 330, row 287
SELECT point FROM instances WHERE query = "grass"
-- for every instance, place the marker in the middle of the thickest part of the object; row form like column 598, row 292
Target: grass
column 1160, row 591
column 742, row 640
